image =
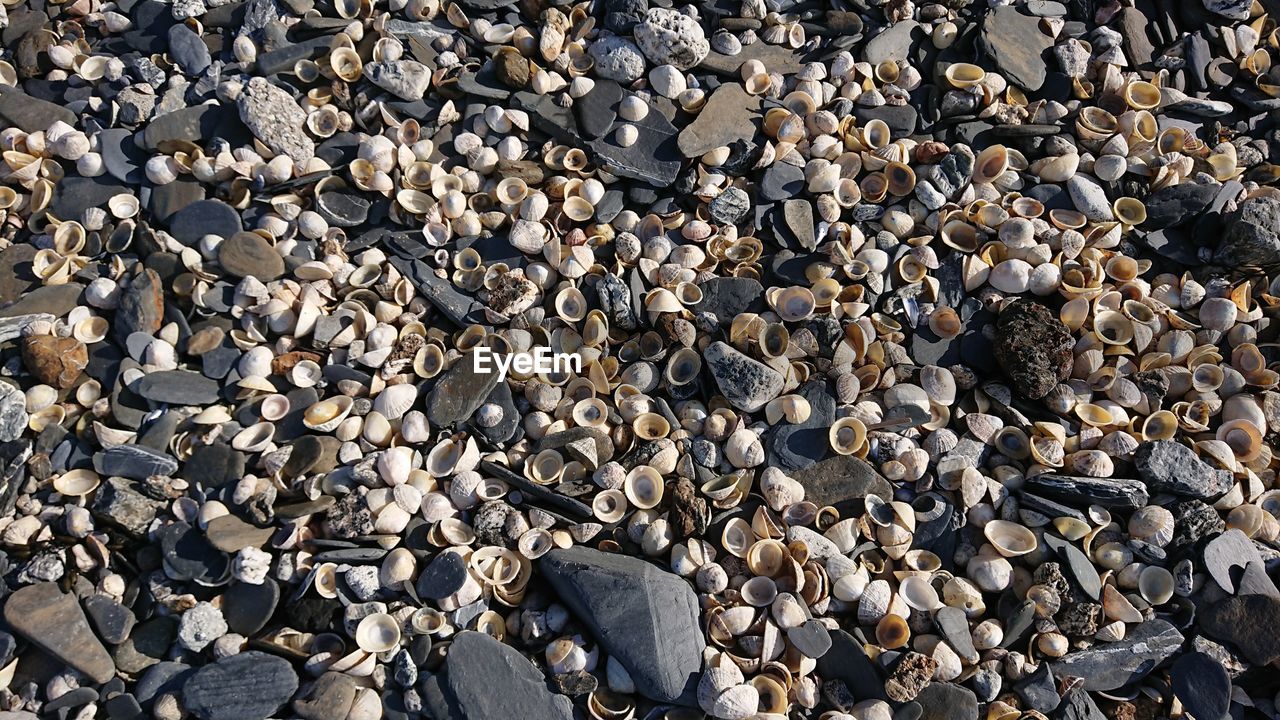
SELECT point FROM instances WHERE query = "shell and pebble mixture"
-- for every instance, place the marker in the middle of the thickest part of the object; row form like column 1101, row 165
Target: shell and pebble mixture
column 920, row 359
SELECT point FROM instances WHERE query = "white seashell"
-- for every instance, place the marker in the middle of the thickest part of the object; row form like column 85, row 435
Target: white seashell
column 394, row 401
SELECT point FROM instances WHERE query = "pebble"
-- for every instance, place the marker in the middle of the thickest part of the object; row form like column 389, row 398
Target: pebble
column 247, row 254
column 475, row 660
column 250, row 685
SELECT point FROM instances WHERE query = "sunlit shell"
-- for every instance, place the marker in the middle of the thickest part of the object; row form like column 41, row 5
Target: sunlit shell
column 76, row 483
column 644, row 487
column 964, row 75
column 990, row 163
column 326, row 415
column 1009, row 538
column 847, row 435
column 378, row 633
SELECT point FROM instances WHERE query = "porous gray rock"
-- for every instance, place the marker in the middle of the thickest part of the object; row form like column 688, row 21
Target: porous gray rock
column 644, row 617
column 273, row 117
column 1253, row 234
column 748, row 384
column 617, row 58
column 406, row 79
column 1170, row 466
column 668, row 37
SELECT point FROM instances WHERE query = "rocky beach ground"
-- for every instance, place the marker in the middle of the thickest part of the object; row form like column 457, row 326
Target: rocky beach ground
column 920, row 359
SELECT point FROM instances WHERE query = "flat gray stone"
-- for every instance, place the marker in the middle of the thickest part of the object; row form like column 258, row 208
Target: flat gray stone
column 55, row 622
column 644, row 617
column 249, row 686
column 1107, row 666
column 177, row 387
column 486, row 679
column 730, row 114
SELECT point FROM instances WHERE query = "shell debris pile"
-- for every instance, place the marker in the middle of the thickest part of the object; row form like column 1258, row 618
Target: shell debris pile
column 747, row 359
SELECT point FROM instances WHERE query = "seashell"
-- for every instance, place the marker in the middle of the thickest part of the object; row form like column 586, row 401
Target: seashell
column 1141, row 95
column 394, row 401
column 873, row 604
column 1129, row 211
column 848, row 435
column 326, row 415
column 990, row 573
column 1156, row 585
column 759, row 591
column 794, row 304
column 987, row 635
column 892, row 632
column 76, row 483
column 650, row 426
column 990, row 163
column 964, row 75
column 378, row 633
column 644, row 487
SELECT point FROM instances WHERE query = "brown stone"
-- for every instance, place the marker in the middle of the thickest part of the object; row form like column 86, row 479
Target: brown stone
column 282, row 364
column 511, row 68
column 910, row 676
column 53, row 360
column 205, row 339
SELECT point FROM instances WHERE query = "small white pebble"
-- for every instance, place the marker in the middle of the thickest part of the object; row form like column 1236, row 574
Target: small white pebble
column 626, row 135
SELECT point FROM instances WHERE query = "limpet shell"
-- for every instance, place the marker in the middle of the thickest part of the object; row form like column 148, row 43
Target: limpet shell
column 378, row 633
column 1009, row 538
column 76, row 483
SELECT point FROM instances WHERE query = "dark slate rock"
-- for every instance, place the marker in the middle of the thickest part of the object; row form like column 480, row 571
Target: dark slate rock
column 188, row 50
column 745, row 382
column 729, row 116
column 781, row 181
column 653, row 159
column 330, row 696
column 163, row 677
column 597, row 109
column 75, row 194
column 1085, row 491
column 727, row 297
column 112, row 621
column 443, row 577
column 901, row 119
column 847, row 662
column 475, row 660
column 1170, row 466
column 122, row 156
column 1234, row 563
column 177, row 387
column 1015, row 43
column 191, row 124
column 459, row 392
column 57, row 300
column 1077, row 705
column 1202, row 685
column 1038, row 690
column 1108, row 666
column 842, row 482
column 207, row 217
column 188, row 555
column 1177, row 204
column 1078, row 566
column 215, row 465
column 30, row 114
column 441, row 293
column 247, row 607
column 55, row 622
column 644, row 617
column 1249, row 622
column 946, row 701
column 249, row 686
column 122, row 506
column 135, row 462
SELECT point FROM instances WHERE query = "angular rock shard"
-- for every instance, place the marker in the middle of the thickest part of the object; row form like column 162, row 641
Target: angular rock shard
column 644, row 617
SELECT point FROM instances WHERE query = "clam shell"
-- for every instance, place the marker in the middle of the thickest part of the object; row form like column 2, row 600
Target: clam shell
column 76, row 483
column 378, row 633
